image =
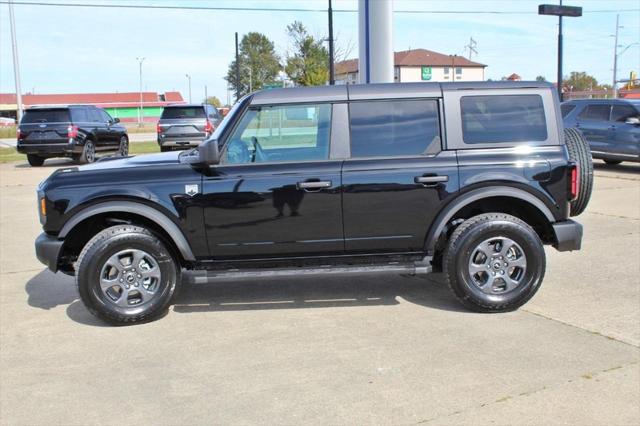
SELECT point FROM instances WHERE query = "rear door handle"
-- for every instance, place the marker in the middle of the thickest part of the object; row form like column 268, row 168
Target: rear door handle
column 314, row 185
column 430, row 180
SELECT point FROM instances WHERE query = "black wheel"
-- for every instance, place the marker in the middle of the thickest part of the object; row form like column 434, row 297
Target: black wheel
column 165, row 149
column 125, row 275
column 123, row 148
column 35, row 160
column 580, row 152
column 88, row 152
column 612, row 162
column 494, row 262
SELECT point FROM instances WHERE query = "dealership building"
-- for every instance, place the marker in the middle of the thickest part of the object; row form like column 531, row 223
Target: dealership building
column 419, row 65
column 124, row 106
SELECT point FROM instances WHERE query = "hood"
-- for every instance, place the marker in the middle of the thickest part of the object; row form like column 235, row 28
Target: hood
column 135, row 161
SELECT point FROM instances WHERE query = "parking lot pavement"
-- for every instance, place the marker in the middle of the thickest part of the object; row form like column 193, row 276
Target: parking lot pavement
column 330, row 351
column 133, row 137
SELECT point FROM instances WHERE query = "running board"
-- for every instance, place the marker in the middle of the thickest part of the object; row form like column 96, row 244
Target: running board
column 207, row 276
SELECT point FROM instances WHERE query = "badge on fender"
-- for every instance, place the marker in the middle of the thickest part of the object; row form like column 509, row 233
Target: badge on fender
column 191, row 189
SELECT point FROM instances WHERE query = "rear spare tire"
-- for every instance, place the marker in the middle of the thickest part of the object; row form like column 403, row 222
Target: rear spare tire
column 580, row 152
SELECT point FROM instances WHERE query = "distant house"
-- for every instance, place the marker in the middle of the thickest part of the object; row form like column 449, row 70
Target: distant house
column 124, row 106
column 514, row 77
column 419, row 65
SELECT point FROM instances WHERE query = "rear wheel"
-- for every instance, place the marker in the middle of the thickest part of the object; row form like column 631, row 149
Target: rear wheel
column 88, row 153
column 612, row 162
column 35, row 160
column 580, row 152
column 494, row 262
column 125, row 275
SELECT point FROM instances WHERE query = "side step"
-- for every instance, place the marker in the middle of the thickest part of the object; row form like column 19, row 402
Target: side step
column 206, row 276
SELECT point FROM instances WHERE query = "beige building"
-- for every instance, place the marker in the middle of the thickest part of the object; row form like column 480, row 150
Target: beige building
column 419, row 65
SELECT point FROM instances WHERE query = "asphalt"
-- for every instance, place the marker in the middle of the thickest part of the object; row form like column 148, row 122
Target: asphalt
column 361, row 350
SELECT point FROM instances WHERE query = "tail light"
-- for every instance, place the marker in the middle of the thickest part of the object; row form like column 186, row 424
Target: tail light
column 208, row 127
column 574, row 181
column 72, row 131
column 18, row 133
column 158, row 128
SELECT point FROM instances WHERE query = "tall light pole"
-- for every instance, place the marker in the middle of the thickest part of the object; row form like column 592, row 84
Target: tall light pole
column 140, row 110
column 615, row 59
column 189, row 78
column 16, row 65
column 332, row 77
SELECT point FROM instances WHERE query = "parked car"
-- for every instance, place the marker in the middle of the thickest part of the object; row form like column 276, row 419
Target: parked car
column 357, row 179
column 76, row 131
column 186, row 126
column 612, row 127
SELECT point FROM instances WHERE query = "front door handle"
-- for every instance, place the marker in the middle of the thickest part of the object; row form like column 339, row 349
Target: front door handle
column 314, row 185
column 430, row 180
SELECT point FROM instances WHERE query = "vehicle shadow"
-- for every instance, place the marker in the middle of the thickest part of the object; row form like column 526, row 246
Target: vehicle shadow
column 47, row 291
column 49, row 163
column 626, row 167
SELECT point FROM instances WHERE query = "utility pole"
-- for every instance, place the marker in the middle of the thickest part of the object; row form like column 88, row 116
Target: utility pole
column 140, row 110
column 332, row 76
column 206, row 97
column 615, row 59
column 16, row 65
column 559, row 77
column 472, row 47
column 189, row 79
column 237, row 71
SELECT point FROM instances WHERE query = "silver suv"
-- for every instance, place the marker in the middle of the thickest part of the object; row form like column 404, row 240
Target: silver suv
column 185, row 126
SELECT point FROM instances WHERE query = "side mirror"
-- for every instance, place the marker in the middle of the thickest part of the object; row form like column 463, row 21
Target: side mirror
column 208, row 152
column 116, row 120
column 633, row 121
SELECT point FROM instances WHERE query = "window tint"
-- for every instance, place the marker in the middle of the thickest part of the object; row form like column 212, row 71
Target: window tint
column 79, row 115
column 94, row 115
column 281, row 133
column 45, row 116
column 183, row 112
column 104, row 116
column 622, row 112
column 598, row 112
column 503, row 118
column 392, row 128
column 566, row 109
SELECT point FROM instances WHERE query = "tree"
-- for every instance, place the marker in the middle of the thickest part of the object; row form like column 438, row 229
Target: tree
column 213, row 100
column 259, row 64
column 309, row 64
column 541, row 78
column 579, row 81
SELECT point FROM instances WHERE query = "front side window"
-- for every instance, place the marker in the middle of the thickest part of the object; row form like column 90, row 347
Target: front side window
column 394, row 128
column 566, row 109
column 105, row 116
column 503, row 118
column 281, row 134
column 621, row 113
column 597, row 112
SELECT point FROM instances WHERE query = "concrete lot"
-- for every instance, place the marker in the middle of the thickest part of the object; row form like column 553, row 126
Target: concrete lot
column 392, row 350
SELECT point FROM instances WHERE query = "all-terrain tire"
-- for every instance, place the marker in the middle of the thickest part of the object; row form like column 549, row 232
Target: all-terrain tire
column 474, row 233
column 35, row 160
column 580, row 152
column 102, row 300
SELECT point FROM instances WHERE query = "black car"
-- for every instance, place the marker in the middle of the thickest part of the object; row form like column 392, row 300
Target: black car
column 470, row 179
column 612, row 127
column 76, row 131
column 186, row 126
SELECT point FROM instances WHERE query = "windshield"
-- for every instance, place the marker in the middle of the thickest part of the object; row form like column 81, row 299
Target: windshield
column 46, row 116
column 182, row 112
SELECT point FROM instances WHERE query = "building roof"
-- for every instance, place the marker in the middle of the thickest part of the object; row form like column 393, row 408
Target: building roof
column 514, row 77
column 105, row 100
column 414, row 58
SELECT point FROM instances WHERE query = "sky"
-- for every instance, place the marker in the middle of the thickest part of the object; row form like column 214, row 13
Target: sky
column 82, row 50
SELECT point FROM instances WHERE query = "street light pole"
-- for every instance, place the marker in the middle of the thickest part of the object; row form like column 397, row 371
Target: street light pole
column 16, row 65
column 332, row 77
column 140, row 110
column 559, row 77
column 189, row 78
column 615, row 59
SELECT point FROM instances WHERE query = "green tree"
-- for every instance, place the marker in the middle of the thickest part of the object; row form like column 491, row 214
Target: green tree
column 579, row 81
column 259, row 64
column 541, row 78
column 213, row 100
column 309, row 64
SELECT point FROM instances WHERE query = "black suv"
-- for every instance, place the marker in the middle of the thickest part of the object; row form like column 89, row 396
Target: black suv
column 76, row 131
column 186, row 126
column 466, row 178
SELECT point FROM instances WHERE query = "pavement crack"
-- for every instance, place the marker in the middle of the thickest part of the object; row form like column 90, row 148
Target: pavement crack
column 613, row 215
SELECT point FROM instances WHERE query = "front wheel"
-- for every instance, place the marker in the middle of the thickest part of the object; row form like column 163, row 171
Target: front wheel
column 494, row 262
column 123, row 148
column 125, row 275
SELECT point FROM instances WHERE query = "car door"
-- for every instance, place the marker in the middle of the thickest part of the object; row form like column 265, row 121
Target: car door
column 100, row 129
column 593, row 122
column 397, row 177
column 625, row 137
column 276, row 191
column 111, row 131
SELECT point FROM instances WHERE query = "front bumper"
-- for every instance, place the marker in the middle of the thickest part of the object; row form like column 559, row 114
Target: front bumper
column 568, row 235
column 48, row 250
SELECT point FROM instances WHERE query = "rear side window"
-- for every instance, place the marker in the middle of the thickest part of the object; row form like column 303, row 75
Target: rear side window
column 46, row 116
column 79, row 115
column 623, row 112
column 503, row 118
column 599, row 112
column 566, row 109
column 184, row 112
column 393, row 128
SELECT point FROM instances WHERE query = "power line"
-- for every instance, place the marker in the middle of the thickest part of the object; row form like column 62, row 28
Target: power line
column 288, row 9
